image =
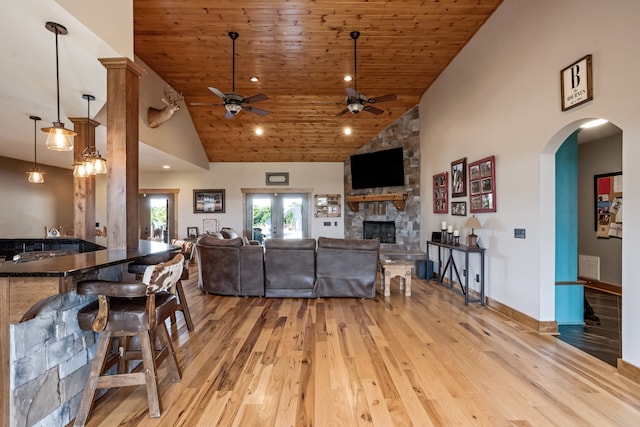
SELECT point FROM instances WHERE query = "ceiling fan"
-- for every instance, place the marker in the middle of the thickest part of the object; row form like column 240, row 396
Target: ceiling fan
column 355, row 100
column 234, row 102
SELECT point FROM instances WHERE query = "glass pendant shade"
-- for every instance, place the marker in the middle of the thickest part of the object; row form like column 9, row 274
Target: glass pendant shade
column 59, row 138
column 99, row 165
column 36, row 176
column 79, row 170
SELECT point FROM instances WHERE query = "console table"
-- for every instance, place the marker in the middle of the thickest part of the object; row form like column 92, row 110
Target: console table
column 447, row 250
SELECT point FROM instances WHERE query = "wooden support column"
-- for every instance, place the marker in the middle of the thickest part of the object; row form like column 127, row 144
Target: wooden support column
column 122, row 152
column 84, row 189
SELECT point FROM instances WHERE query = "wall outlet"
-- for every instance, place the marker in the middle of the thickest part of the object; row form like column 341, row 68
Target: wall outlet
column 519, row 233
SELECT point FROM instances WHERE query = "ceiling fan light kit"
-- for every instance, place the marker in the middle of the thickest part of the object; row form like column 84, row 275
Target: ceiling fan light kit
column 59, row 138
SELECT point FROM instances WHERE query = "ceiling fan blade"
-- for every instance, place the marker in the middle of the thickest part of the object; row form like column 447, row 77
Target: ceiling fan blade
column 256, row 98
column 217, row 92
column 351, row 93
column 258, row 111
column 342, row 112
column 373, row 110
column 205, row 104
column 384, row 98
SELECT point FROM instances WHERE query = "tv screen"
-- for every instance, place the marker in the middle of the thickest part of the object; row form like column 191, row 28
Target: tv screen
column 379, row 169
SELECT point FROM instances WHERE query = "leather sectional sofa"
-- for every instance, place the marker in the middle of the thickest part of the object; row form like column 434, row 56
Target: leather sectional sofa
column 291, row 268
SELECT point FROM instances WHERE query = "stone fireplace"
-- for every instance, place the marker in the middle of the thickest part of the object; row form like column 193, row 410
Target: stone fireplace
column 404, row 133
column 385, row 231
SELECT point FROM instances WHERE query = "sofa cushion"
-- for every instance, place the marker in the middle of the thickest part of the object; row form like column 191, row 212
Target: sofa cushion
column 359, row 244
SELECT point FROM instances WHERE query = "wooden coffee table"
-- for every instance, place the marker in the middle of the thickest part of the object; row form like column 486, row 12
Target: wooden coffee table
column 393, row 268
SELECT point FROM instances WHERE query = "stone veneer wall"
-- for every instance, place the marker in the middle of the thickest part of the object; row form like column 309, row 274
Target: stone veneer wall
column 49, row 364
column 404, row 132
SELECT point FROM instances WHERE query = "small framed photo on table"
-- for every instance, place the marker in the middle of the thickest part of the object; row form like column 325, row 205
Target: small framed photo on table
column 192, row 232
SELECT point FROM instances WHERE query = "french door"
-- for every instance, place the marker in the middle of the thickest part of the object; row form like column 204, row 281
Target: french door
column 284, row 215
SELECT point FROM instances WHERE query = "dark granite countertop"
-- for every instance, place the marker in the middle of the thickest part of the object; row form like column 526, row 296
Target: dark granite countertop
column 67, row 265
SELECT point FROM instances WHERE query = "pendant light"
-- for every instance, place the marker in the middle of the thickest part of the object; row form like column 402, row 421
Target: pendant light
column 59, row 138
column 92, row 162
column 36, row 176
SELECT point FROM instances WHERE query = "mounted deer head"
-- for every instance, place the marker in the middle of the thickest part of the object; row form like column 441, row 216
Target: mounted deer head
column 156, row 117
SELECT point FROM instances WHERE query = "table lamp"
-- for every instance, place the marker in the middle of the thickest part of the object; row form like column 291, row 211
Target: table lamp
column 473, row 223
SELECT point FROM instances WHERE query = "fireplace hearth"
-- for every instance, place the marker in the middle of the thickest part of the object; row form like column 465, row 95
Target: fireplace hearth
column 384, row 231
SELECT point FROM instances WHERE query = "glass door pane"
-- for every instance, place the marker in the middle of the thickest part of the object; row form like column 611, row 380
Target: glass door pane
column 277, row 215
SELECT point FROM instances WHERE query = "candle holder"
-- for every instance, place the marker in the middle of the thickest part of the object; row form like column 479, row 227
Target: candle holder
column 443, row 235
column 450, row 237
column 456, row 240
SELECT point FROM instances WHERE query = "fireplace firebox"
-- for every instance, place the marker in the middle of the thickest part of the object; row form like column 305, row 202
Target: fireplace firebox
column 385, row 231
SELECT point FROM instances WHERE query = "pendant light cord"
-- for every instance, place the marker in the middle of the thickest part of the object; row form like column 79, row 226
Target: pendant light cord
column 57, row 75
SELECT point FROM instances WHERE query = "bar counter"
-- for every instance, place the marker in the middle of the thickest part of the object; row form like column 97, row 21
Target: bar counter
column 28, row 288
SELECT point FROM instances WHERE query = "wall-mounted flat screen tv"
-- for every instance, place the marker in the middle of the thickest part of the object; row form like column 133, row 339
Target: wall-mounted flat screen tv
column 378, row 169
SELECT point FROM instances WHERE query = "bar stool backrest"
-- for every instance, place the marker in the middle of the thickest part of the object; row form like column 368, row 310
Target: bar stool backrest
column 164, row 276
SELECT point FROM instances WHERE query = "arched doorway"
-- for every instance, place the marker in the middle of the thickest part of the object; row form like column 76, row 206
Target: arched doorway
column 588, row 255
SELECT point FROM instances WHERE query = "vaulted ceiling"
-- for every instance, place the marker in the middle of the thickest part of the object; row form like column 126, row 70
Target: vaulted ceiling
column 301, row 51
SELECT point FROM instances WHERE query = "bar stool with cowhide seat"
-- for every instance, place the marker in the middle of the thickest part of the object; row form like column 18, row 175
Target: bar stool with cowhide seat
column 123, row 311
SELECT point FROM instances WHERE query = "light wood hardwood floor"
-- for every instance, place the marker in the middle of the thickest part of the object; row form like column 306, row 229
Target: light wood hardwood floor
column 397, row 361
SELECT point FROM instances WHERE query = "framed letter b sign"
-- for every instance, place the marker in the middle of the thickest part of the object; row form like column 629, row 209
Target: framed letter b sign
column 577, row 83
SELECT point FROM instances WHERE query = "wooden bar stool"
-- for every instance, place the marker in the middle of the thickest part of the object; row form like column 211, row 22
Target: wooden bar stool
column 127, row 310
column 138, row 268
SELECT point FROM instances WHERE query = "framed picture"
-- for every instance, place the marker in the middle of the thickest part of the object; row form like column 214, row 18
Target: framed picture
column 459, row 178
column 209, row 226
column 207, row 201
column 327, row 205
column 192, row 232
column 482, row 185
column 440, row 192
column 459, row 208
column 576, row 83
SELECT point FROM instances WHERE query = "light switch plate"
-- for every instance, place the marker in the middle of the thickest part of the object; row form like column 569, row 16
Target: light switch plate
column 519, row 233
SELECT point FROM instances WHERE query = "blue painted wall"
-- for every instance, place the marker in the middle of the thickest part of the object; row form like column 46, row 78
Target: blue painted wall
column 569, row 298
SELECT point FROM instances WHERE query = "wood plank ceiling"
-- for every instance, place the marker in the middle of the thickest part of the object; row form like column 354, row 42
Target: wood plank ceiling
column 301, row 51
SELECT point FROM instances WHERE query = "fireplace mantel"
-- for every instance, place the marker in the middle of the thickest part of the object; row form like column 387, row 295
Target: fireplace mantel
column 398, row 200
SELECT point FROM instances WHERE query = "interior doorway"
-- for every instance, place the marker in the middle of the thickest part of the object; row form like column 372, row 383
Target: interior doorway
column 588, row 306
column 158, row 214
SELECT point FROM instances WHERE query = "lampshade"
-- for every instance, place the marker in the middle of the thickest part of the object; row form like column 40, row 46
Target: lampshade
column 233, row 108
column 79, row 170
column 473, row 223
column 36, row 176
column 59, row 138
column 91, row 162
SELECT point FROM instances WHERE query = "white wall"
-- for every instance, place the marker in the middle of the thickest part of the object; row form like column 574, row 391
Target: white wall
column 27, row 208
column 232, row 177
column 501, row 96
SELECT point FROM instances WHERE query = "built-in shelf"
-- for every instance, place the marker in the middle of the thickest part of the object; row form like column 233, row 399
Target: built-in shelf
column 398, row 200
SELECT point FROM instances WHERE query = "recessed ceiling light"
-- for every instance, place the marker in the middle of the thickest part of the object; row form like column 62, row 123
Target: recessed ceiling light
column 255, row 79
column 348, row 78
column 259, row 131
column 166, row 167
column 594, row 123
column 347, row 131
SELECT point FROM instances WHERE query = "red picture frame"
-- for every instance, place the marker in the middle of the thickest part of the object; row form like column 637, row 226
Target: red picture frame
column 482, row 185
column 441, row 193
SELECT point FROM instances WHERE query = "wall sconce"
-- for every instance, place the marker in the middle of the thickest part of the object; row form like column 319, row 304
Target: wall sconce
column 36, row 176
column 59, row 138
